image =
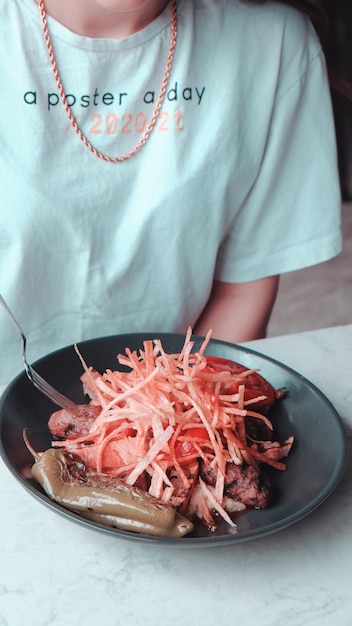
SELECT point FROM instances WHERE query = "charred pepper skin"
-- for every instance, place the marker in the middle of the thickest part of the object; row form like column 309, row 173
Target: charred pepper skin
column 105, row 500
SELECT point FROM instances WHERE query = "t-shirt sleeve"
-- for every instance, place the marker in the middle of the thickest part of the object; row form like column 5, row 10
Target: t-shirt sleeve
column 291, row 217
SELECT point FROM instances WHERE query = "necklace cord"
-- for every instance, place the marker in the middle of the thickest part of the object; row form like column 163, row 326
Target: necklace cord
column 159, row 102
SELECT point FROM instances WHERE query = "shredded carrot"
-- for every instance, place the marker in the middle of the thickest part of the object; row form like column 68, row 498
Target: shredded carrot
column 147, row 413
column 215, row 502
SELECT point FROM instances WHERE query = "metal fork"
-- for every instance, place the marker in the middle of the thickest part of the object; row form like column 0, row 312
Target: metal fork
column 35, row 378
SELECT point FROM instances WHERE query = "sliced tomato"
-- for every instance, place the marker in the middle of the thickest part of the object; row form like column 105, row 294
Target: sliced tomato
column 187, row 451
column 197, row 432
column 256, row 385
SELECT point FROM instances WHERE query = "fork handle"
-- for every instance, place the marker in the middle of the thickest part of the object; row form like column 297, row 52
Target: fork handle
column 18, row 328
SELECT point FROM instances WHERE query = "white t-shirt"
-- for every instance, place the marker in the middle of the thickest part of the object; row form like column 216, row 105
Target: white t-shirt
column 238, row 180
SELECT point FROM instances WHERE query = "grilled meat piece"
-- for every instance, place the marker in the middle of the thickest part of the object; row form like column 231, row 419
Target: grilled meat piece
column 256, row 429
column 243, row 483
column 182, row 494
column 64, row 425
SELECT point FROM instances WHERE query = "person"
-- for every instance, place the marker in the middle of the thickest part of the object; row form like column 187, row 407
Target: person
column 162, row 164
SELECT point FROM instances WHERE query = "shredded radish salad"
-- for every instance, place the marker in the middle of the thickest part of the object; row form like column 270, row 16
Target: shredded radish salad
column 154, row 424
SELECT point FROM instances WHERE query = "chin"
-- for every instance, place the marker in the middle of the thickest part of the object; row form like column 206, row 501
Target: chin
column 122, row 6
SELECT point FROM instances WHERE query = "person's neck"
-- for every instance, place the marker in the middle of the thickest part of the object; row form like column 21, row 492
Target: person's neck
column 89, row 19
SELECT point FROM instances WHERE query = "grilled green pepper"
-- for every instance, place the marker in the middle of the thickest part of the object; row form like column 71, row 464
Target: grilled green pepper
column 104, row 499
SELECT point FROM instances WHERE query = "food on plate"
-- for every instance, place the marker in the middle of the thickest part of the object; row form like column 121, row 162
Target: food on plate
column 102, row 499
column 189, row 431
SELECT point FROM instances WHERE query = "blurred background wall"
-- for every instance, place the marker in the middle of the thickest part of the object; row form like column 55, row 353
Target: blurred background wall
column 339, row 54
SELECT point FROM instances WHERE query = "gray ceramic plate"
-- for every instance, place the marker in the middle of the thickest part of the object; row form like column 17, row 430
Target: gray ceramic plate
column 313, row 468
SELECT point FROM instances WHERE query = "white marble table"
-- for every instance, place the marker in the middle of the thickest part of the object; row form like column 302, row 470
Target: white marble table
column 55, row 573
